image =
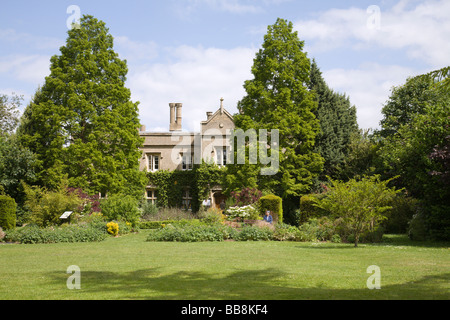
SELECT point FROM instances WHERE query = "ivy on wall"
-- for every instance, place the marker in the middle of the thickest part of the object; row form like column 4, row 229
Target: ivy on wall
column 172, row 185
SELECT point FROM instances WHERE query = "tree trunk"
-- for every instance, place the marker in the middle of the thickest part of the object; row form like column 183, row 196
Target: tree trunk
column 356, row 239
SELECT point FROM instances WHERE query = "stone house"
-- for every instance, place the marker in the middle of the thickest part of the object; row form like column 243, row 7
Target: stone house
column 180, row 150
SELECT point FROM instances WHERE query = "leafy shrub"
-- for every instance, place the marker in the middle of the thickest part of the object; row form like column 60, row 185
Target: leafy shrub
column 361, row 204
column 32, row 234
column 309, row 207
column 90, row 203
column 47, row 206
column 285, row 232
column 403, row 209
column 121, row 207
column 148, row 210
column 8, row 208
column 154, row 224
column 212, row 216
column 112, row 228
column 335, row 238
column 274, row 204
column 191, row 233
column 250, row 233
column 417, row 229
column 321, row 229
column 125, row 227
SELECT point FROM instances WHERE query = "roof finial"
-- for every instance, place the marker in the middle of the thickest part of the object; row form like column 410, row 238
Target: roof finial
column 221, row 105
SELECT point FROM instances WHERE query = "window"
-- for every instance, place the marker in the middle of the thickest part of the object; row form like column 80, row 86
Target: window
column 153, row 162
column 187, row 199
column 152, row 195
column 221, row 156
column 187, row 162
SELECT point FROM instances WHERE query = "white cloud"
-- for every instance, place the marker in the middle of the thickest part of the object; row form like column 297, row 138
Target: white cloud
column 11, row 36
column 368, row 87
column 232, row 6
column 187, row 7
column 198, row 78
column 135, row 51
column 423, row 31
column 27, row 68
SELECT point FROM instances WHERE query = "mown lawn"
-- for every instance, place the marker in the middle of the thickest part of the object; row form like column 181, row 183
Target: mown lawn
column 131, row 268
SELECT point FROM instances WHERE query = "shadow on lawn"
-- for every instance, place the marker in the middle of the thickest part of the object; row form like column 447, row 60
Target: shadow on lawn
column 269, row 284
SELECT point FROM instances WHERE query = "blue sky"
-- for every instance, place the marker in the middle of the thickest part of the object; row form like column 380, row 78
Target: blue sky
column 197, row 51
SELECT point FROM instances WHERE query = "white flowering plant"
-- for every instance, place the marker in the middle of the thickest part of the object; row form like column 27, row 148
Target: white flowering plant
column 246, row 212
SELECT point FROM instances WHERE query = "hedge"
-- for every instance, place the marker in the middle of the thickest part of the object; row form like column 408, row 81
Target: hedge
column 274, row 204
column 161, row 224
column 7, row 212
column 32, row 234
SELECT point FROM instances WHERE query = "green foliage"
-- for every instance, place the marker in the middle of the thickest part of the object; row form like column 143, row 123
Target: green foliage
column 337, row 124
column 361, row 204
column 32, row 234
column 251, row 233
column 46, row 207
column 309, row 207
column 277, row 98
column 173, row 184
column 274, row 204
column 7, row 212
column 121, row 207
column 164, row 223
column 411, row 99
column 417, row 228
column 403, row 210
column 415, row 145
column 148, row 209
column 17, row 164
column 285, row 232
column 212, row 216
column 361, row 158
column 318, row 229
column 191, row 233
column 81, row 124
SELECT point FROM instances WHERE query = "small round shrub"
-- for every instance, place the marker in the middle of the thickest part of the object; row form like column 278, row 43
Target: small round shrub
column 121, row 207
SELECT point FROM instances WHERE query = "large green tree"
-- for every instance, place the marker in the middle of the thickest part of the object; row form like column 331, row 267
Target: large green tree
column 417, row 150
column 278, row 98
column 337, row 119
column 410, row 99
column 82, row 123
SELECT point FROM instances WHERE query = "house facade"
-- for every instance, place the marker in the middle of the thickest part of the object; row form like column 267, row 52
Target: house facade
column 178, row 149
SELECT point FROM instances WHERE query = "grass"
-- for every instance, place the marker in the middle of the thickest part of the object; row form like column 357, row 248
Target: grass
column 128, row 267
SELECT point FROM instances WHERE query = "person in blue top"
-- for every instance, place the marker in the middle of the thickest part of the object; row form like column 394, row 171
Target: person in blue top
column 268, row 217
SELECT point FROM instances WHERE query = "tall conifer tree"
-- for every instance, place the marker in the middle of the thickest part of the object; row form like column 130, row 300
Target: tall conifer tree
column 82, row 124
column 337, row 124
column 278, row 98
